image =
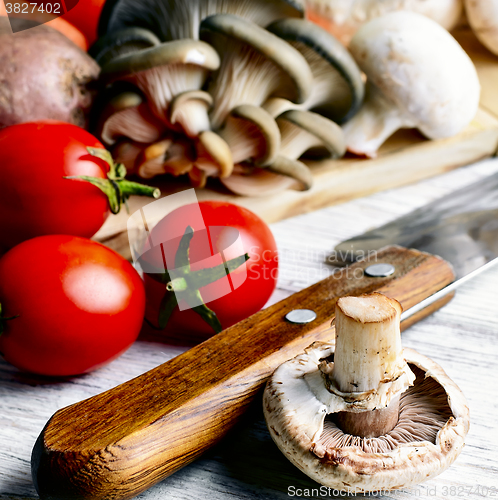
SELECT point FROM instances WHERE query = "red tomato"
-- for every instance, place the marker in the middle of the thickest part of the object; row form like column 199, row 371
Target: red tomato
column 248, row 287
column 85, row 16
column 35, row 199
column 78, row 305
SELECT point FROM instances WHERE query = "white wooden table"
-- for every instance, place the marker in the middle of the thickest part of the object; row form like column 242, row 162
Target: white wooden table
column 462, row 337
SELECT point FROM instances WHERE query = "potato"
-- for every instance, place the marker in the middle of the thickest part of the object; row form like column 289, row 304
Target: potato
column 43, row 75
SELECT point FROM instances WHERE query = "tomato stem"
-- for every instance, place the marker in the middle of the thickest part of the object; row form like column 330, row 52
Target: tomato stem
column 115, row 187
column 3, row 319
column 177, row 285
column 186, row 284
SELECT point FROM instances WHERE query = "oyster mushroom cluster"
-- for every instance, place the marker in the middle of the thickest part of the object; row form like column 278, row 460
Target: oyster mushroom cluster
column 363, row 414
column 237, row 89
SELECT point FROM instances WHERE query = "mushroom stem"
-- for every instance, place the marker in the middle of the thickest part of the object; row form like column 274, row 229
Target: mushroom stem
column 368, row 362
column 376, row 120
column 368, row 424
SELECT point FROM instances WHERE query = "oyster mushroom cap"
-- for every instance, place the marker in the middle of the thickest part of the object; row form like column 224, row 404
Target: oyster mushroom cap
column 122, row 42
column 171, row 19
column 419, row 77
column 252, row 134
column 483, row 19
column 257, row 65
column 294, row 170
column 214, row 155
column 282, row 174
column 302, row 131
column 337, row 90
column 194, row 52
column 343, row 18
column 150, row 160
column 190, row 111
column 296, row 405
column 180, row 156
column 126, row 115
column 164, row 71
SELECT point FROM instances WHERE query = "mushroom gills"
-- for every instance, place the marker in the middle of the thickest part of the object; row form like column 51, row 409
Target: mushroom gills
column 252, row 134
column 307, row 132
column 257, row 65
column 164, row 71
column 423, row 411
column 127, row 116
column 337, row 89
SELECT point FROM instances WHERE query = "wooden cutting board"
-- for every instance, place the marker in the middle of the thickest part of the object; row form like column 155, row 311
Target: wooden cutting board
column 405, row 158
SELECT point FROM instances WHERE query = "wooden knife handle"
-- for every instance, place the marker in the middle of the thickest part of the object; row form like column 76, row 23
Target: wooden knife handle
column 119, row 443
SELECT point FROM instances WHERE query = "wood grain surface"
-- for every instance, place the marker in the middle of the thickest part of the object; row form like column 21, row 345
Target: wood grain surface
column 461, row 337
column 121, row 442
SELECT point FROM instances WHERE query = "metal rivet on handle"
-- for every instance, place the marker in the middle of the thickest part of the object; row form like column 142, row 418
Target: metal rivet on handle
column 301, row 316
column 380, row 270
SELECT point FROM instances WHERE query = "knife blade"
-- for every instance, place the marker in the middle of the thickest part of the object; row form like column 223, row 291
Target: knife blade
column 461, row 227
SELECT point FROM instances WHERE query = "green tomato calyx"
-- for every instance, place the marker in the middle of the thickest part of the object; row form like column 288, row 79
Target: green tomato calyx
column 187, row 284
column 116, row 187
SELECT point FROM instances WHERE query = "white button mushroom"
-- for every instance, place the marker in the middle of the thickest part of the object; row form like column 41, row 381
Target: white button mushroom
column 366, row 415
column 343, row 17
column 483, row 19
column 418, row 76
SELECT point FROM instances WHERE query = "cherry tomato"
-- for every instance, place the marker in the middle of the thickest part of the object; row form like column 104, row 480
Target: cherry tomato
column 69, row 305
column 35, row 198
column 248, row 286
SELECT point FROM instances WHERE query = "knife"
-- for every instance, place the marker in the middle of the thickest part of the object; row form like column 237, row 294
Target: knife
column 461, row 227
column 119, row 443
